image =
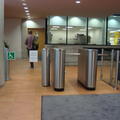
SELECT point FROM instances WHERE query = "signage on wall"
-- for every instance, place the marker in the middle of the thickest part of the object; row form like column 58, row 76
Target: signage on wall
column 116, row 38
column 11, row 55
column 33, row 56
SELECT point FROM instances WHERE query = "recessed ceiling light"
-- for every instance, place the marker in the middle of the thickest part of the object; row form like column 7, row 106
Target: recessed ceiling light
column 24, row 4
column 77, row 1
column 28, row 16
column 27, row 11
column 25, row 8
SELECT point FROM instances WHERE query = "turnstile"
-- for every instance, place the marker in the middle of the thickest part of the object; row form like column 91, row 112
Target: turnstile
column 6, row 63
column 58, row 66
column 45, row 67
column 87, row 68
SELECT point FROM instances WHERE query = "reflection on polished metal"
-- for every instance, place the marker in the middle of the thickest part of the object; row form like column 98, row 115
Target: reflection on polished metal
column 59, row 69
column 101, row 71
column 6, row 63
column 87, row 68
column 117, row 67
column 111, row 66
column 45, row 67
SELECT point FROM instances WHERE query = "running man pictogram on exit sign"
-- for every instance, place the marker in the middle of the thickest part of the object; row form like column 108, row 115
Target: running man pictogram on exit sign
column 11, row 55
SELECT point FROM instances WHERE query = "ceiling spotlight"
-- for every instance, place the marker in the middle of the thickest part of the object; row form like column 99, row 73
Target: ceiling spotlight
column 27, row 11
column 77, row 1
column 26, row 8
column 28, row 17
column 24, row 4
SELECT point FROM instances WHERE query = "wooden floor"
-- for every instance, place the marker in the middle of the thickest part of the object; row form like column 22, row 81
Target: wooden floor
column 20, row 98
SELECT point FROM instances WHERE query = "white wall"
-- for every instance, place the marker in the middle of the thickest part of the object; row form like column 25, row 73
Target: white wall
column 58, row 20
column 96, row 22
column 59, row 37
column 16, row 33
column 77, row 21
column 114, row 22
column 36, row 23
column 96, row 36
column 13, row 35
column 24, row 35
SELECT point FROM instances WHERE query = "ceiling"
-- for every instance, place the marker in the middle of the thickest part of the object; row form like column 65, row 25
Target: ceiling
column 44, row 8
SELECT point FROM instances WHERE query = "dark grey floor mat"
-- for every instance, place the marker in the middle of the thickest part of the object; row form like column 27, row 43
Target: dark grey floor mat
column 81, row 107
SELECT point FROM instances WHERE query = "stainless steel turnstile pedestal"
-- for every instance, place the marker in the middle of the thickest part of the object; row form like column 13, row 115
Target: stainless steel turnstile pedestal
column 45, row 67
column 6, row 64
column 59, row 69
column 87, row 68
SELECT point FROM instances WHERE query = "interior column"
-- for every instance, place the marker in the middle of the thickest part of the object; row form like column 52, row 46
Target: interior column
column 2, row 72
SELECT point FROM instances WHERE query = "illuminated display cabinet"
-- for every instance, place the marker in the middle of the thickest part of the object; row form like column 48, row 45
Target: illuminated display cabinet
column 83, row 31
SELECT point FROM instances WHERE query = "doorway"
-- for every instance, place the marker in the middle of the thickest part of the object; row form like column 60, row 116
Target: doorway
column 40, row 34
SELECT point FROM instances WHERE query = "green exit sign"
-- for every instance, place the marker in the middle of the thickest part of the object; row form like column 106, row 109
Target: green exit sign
column 11, row 55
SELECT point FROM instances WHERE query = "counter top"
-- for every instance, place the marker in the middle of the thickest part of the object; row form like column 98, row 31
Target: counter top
column 88, row 46
column 105, row 47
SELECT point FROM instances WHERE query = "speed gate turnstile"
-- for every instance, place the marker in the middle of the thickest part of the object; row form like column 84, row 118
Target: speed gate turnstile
column 57, row 68
column 87, row 68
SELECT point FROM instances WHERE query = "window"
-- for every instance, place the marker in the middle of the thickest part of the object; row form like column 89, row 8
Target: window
column 77, row 30
column 57, row 30
column 113, row 30
column 96, row 31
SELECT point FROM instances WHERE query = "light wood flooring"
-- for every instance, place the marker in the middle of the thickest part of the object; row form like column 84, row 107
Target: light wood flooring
column 20, row 98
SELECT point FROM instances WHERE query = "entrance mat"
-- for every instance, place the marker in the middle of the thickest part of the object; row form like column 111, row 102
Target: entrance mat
column 81, row 107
